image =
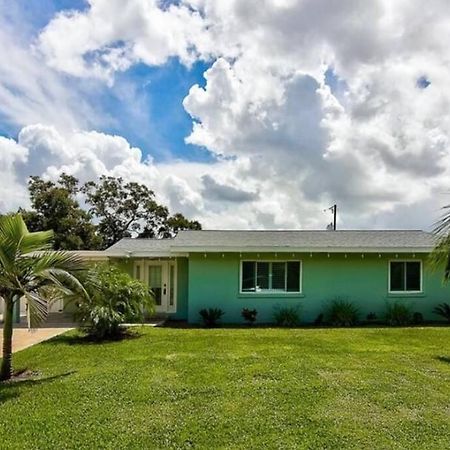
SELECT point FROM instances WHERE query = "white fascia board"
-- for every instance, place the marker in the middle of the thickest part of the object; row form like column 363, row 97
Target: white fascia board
column 144, row 254
column 304, row 249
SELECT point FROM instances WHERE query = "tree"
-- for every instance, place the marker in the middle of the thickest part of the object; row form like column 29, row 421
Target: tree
column 55, row 208
column 30, row 270
column 178, row 222
column 126, row 209
column 440, row 256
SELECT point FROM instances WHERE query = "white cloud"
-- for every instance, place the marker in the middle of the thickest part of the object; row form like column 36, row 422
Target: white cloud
column 12, row 191
column 112, row 35
column 45, row 151
column 285, row 141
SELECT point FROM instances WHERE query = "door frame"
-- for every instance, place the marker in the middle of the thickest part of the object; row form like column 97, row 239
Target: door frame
column 141, row 272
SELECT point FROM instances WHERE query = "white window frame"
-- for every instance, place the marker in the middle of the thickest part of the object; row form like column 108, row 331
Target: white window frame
column 270, row 291
column 405, row 292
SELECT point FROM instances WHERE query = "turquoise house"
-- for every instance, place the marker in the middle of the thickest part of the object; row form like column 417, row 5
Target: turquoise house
column 232, row 270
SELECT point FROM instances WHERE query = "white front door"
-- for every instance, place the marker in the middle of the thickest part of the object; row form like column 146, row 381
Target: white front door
column 160, row 277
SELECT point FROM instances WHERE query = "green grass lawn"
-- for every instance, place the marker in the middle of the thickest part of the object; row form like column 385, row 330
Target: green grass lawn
column 235, row 388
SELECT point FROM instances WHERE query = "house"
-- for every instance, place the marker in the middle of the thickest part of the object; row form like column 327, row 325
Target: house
column 232, row 270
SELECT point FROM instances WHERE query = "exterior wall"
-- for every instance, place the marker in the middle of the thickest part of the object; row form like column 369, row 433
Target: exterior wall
column 214, row 282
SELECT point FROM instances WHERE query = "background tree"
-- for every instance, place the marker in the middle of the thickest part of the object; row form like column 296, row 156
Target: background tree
column 125, row 209
column 116, row 209
column 30, row 271
column 55, row 208
column 177, row 223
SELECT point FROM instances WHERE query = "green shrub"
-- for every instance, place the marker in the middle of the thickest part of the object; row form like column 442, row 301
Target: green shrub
column 249, row 315
column 287, row 316
column 211, row 316
column 114, row 298
column 342, row 313
column 371, row 317
column 398, row 314
column 443, row 310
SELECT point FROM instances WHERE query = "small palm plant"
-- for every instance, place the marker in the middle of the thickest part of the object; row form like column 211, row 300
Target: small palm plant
column 30, row 270
column 443, row 310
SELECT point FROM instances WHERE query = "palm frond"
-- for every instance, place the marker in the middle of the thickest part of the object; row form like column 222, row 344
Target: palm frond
column 36, row 241
column 11, row 234
column 442, row 226
column 64, row 281
column 62, row 260
column 439, row 258
column 37, row 311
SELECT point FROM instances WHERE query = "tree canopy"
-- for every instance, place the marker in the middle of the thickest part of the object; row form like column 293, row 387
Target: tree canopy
column 112, row 209
column 55, row 207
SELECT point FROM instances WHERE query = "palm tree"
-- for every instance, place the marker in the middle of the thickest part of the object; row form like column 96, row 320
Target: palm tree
column 30, row 270
column 440, row 257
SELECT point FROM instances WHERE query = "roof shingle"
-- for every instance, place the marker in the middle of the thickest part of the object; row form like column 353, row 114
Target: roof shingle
column 298, row 240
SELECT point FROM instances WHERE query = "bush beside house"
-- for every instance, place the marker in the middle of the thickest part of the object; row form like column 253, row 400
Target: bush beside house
column 114, row 298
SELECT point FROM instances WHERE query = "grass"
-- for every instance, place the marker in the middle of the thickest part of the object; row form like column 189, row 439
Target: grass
column 235, row 388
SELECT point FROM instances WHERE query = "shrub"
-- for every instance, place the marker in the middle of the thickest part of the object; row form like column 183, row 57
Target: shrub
column 287, row 316
column 249, row 315
column 371, row 317
column 398, row 314
column 211, row 316
column 342, row 313
column 114, row 297
column 443, row 310
column 319, row 319
column 417, row 318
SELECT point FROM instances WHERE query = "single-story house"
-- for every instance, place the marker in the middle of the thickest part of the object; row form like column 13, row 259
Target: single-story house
column 232, row 270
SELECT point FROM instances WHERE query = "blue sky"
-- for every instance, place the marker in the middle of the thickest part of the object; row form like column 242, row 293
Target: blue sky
column 161, row 122
column 145, row 103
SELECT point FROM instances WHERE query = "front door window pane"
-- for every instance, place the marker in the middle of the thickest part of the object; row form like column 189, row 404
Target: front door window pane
column 155, row 282
column 171, row 285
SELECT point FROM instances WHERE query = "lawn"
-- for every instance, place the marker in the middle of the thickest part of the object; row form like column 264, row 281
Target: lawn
column 235, row 388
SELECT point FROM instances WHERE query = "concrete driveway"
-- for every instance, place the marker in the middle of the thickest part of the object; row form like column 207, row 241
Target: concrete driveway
column 23, row 338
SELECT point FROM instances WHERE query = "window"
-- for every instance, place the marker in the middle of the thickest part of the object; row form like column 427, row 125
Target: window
column 405, row 276
column 270, row 276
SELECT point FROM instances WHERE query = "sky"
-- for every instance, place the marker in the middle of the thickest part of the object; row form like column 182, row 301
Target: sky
column 242, row 114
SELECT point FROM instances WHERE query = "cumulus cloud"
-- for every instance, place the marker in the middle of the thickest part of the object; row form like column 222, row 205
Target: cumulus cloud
column 45, row 151
column 306, row 103
column 112, row 35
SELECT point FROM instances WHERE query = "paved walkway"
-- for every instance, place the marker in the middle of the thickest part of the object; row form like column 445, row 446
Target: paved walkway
column 23, row 338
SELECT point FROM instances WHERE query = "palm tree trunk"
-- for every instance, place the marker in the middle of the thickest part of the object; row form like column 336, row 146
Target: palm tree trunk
column 6, row 368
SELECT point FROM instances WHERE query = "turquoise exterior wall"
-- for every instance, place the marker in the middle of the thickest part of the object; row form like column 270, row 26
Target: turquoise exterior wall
column 214, row 282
